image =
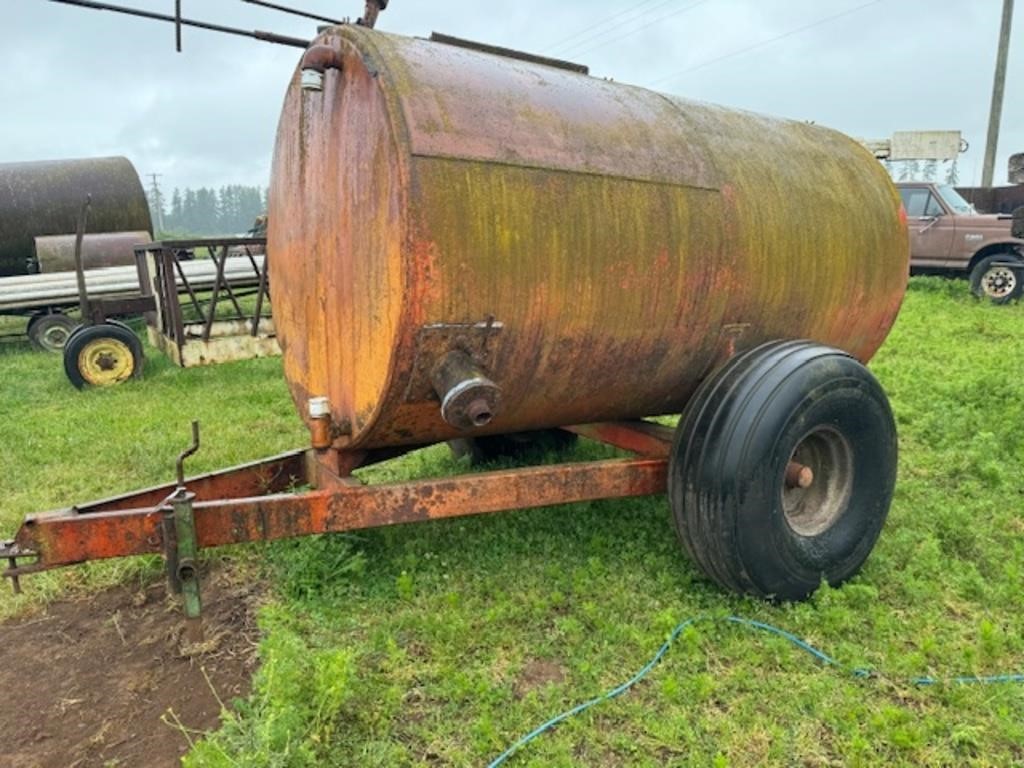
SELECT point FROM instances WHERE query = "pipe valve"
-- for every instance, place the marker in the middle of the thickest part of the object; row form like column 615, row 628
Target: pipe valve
column 469, row 399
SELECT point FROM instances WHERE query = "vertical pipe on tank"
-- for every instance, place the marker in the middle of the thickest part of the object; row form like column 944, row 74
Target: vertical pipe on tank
column 315, row 62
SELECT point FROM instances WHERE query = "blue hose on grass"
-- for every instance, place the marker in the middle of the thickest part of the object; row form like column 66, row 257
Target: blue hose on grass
column 760, row 626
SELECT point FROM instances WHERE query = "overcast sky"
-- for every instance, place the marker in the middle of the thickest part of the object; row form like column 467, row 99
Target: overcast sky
column 79, row 83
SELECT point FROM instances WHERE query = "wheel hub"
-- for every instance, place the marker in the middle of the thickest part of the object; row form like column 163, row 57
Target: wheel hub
column 106, row 361
column 811, row 508
column 55, row 337
column 999, row 282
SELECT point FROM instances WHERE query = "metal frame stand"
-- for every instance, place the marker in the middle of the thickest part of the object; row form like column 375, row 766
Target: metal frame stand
column 252, row 503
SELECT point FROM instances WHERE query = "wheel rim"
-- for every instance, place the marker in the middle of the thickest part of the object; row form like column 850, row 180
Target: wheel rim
column 54, row 337
column 106, row 361
column 999, row 282
column 813, row 509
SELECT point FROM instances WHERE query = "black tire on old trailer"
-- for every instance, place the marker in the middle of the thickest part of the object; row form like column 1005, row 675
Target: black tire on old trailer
column 49, row 332
column 103, row 354
column 782, row 470
column 108, row 321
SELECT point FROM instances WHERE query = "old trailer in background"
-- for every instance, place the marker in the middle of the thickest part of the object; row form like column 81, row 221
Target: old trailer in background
column 40, row 203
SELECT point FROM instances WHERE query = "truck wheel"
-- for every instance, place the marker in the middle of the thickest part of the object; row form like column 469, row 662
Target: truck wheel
column 50, row 332
column 101, row 355
column 999, row 284
column 782, row 470
column 489, row 448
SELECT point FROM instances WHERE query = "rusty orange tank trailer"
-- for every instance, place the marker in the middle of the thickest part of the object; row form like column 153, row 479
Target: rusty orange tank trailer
column 472, row 243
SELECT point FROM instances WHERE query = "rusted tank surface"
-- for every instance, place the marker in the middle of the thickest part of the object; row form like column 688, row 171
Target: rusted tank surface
column 594, row 249
column 44, row 198
column 56, row 253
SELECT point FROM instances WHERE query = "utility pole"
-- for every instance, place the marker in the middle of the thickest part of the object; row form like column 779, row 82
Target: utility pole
column 996, row 113
column 157, row 200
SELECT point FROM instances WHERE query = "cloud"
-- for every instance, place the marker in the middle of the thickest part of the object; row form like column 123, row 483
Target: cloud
column 79, row 83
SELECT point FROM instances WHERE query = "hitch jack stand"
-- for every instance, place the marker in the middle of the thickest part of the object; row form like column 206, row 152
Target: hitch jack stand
column 181, row 552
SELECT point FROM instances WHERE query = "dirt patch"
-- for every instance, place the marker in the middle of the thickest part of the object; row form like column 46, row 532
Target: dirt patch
column 538, row 673
column 87, row 681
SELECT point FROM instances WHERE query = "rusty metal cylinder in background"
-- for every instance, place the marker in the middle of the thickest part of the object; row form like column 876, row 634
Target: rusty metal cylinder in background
column 56, row 253
column 44, row 198
column 593, row 249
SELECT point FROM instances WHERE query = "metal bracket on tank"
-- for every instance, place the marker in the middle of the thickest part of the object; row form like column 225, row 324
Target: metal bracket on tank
column 435, row 341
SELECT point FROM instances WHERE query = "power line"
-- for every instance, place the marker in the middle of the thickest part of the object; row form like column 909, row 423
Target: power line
column 763, row 43
column 293, row 11
column 633, row 7
column 617, row 34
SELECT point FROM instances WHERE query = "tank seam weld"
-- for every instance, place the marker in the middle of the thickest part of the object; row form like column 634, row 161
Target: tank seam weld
column 557, row 169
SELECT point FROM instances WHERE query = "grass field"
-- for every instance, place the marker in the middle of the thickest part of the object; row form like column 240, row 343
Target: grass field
column 442, row 643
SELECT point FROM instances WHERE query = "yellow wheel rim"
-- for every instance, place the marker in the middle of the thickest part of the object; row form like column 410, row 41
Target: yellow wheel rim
column 106, row 361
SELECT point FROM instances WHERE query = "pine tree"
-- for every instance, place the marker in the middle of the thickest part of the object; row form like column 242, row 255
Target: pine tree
column 953, row 174
column 189, row 220
column 173, row 219
column 230, row 210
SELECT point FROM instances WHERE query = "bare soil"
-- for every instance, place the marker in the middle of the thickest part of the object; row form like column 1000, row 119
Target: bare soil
column 93, row 681
column 538, row 673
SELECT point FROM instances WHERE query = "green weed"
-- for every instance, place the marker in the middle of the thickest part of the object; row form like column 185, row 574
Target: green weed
column 441, row 643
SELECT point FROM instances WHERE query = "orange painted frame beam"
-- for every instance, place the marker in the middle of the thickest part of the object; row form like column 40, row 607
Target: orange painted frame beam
column 133, row 524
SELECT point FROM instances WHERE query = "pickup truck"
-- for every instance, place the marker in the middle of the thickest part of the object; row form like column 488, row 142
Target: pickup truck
column 948, row 235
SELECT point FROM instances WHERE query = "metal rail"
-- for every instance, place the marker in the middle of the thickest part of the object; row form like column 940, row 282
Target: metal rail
column 237, row 270
column 179, row 21
column 23, row 293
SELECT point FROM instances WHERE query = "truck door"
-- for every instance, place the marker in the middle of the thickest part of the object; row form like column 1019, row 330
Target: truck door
column 931, row 226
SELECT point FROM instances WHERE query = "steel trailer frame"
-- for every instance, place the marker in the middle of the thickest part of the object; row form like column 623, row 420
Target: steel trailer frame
column 255, row 502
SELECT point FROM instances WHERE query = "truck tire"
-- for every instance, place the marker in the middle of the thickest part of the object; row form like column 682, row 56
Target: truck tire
column 743, row 519
column 998, row 284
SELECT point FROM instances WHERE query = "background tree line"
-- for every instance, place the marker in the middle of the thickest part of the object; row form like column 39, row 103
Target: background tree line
column 944, row 171
column 229, row 210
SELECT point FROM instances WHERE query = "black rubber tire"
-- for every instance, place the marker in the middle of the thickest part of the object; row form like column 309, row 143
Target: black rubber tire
column 51, row 332
column 118, row 345
column 1000, row 285
column 488, row 448
column 108, row 321
column 727, row 470
column 74, row 331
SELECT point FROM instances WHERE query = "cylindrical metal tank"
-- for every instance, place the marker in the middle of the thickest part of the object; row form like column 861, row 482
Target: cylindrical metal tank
column 595, row 249
column 44, row 198
column 56, row 253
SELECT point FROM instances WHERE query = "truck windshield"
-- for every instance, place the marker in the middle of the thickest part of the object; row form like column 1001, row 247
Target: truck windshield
column 953, row 199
